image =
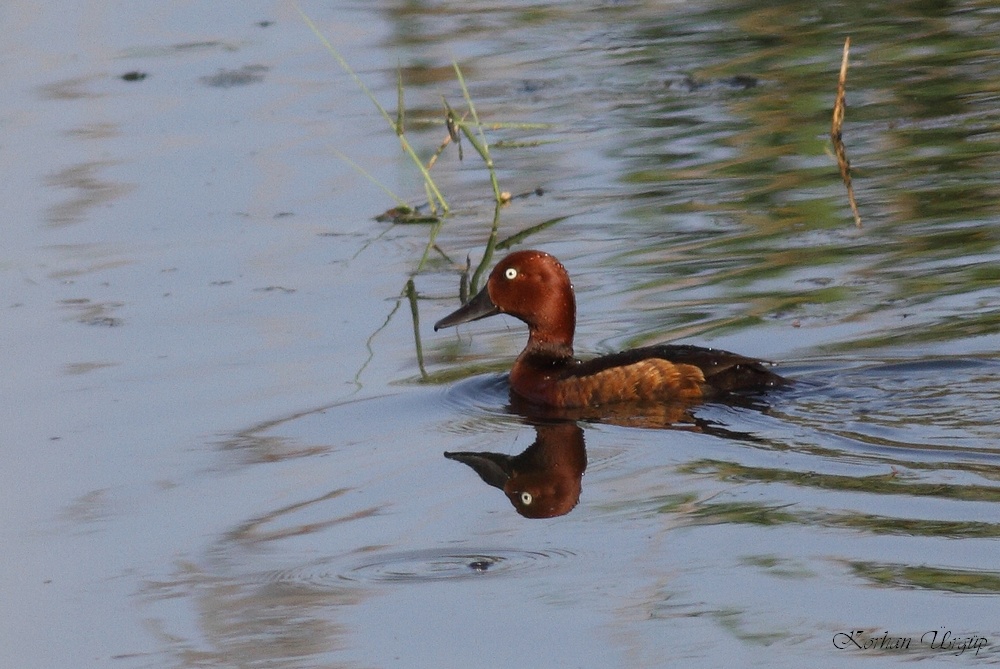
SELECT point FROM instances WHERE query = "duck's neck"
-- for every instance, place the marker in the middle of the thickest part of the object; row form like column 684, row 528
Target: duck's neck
column 551, row 333
column 548, row 351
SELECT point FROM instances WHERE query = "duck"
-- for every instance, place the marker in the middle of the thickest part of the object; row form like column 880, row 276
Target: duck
column 535, row 288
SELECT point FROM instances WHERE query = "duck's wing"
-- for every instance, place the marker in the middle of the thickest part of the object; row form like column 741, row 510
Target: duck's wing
column 723, row 371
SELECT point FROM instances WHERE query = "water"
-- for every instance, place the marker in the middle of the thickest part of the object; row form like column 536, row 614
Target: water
column 223, row 448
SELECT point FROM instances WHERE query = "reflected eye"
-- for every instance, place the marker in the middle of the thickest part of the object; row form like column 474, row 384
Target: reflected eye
column 526, row 498
column 510, row 273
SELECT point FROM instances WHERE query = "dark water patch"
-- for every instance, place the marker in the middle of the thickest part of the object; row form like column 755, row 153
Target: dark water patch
column 78, row 368
column 244, row 76
column 689, row 84
column 94, row 313
column 87, row 191
column 76, row 88
column 180, row 48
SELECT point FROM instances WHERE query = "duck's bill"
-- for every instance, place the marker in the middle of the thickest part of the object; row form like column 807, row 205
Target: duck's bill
column 481, row 306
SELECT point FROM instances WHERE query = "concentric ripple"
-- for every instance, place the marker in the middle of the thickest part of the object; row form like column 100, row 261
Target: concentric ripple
column 435, row 565
column 486, row 392
column 418, row 566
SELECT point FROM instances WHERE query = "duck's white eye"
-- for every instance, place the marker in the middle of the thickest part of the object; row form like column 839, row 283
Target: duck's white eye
column 526, row 497
column 511, row 273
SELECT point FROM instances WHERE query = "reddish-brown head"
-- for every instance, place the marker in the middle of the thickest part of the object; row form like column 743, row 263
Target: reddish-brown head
column 531, row 286
column 535, row 288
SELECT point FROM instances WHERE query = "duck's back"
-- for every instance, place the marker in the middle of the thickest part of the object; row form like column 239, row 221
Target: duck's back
column 665, row 372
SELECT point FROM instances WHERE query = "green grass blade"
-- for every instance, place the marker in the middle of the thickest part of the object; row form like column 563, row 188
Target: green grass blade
column 481, row 146
column 396, row 127
column 400, row 201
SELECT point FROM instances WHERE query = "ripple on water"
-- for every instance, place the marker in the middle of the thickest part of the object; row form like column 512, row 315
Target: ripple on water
column 478, row 400
column 943, row 405
column 417, row 566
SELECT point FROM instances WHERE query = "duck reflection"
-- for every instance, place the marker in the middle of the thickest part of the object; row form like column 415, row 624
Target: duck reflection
column 661, row 415
column 680, row 416
column 545, row 480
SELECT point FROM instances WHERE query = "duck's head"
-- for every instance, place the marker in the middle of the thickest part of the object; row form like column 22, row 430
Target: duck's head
column 531, row 286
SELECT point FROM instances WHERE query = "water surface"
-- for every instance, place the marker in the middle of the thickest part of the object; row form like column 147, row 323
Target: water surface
column 226, row 409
